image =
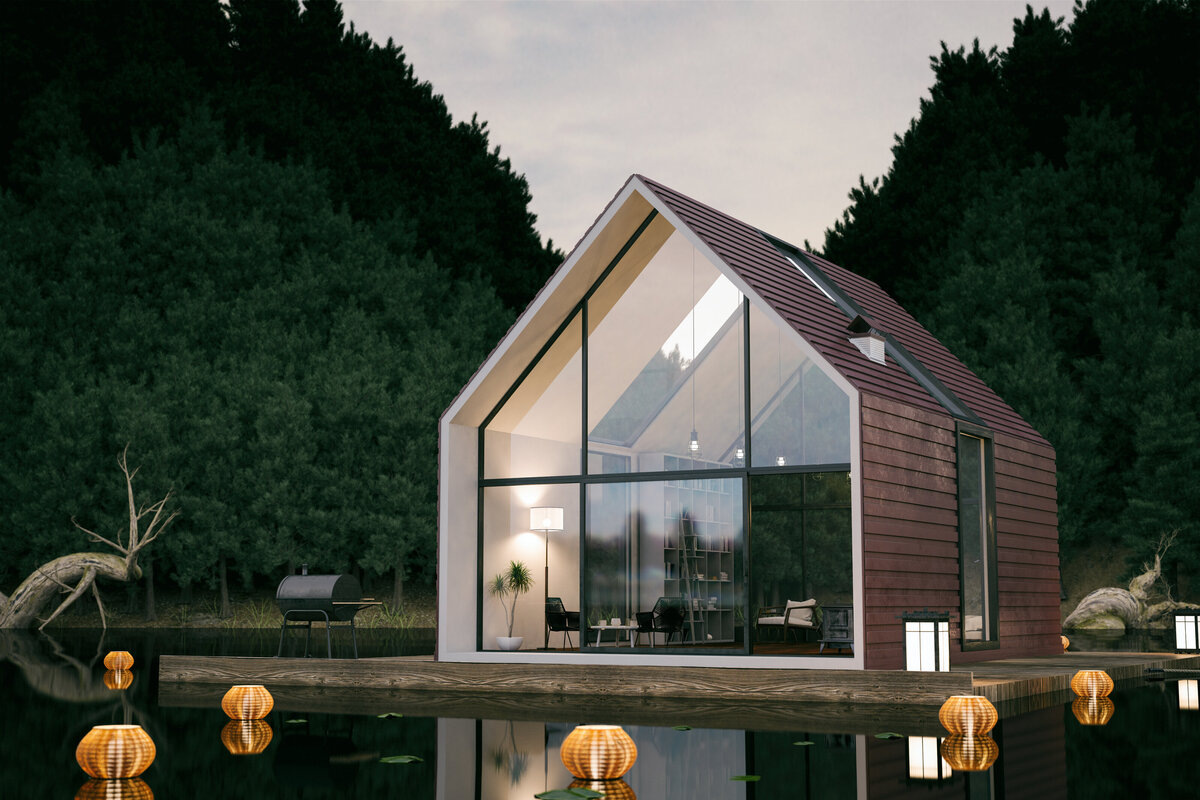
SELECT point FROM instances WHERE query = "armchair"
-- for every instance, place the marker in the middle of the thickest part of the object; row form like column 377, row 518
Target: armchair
column 795, row 617
column 666, row 617
column 559, row 620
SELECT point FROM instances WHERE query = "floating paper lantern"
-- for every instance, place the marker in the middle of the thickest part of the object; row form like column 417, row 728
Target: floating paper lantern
column 115, row 751
column 246, row 737
column 125, row 789
column 970, row 753
column 598, row 752
column 1095, row 710
column 118, row 659
column 1092, row 683
column 118, row 679
column 612, row 790
column 968, row 714
column 247, row 702
column 1065, row 643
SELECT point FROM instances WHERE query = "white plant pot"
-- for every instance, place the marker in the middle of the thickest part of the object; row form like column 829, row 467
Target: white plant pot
column 510, row 642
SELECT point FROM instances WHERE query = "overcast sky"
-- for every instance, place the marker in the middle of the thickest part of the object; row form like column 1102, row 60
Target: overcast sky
column 768, row 111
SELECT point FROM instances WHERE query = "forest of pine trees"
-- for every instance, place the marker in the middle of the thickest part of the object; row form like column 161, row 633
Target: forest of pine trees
column 251, row 244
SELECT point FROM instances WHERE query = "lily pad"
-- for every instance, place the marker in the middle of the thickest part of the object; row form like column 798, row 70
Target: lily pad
column 297, row 721
column 401, row 760
column 682, row 728
column 802, row 744
column 888, row 735
column 390, row 715
column 568, row 794
column 746, row 778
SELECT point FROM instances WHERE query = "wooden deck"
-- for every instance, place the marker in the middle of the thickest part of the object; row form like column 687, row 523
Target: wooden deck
column 760, row 699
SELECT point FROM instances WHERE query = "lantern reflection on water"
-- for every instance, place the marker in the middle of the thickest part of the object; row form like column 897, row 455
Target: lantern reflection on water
column 612, row 790
column 246, row 737
column 598, row 752
column 1093, row 710
column 123, row 789
column 970, row 753
column 118, row 679
column 115, row 751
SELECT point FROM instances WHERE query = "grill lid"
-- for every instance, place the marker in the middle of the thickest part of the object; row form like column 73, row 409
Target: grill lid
column 306, row 596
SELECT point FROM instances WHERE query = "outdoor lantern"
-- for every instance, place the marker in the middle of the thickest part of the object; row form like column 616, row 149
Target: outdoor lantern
column 124, row 789
column 1189, row 695
column 967, row 714
column 926, row 641
column 118, row 679
column 612, row 790
column 246, row 737
column 247, row 702
column 115, row 751
column 1093, row 710
column 598, row 752
column 970, row 753
column 545, row 520
column 118, row 659
column 1187, row 631
column 925, row 762
column 1092, row 683
column 1065, row 643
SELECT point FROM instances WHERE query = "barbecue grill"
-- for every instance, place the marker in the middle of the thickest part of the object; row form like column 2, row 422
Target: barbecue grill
column 304, row 599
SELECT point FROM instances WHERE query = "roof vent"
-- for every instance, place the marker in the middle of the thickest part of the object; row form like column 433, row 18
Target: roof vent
column 867, row 339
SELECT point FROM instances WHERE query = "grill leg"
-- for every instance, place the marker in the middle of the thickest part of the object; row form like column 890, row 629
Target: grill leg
column 282, row 630
column 307, row 638
column 354, row 637
column 328, row 639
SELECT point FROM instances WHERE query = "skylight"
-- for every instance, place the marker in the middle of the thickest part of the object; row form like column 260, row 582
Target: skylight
column 718, row 304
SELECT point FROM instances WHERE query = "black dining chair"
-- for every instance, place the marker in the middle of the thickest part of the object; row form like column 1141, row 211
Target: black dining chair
column 559, row 620
column 666, row 617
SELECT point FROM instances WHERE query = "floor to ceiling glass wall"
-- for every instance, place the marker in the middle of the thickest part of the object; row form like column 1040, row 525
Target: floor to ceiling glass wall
column 639, row 437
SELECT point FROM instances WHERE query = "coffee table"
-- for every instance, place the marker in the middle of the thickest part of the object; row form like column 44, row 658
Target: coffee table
column 600, row 629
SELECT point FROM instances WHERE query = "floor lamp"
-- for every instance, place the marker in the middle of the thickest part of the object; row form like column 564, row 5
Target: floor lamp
column 546, row 520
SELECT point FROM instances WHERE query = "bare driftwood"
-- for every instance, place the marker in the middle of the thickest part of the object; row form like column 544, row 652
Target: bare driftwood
column 1111, row 608
column 75, row 574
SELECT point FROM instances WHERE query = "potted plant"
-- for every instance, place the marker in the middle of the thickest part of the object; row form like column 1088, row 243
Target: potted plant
column 512, row 582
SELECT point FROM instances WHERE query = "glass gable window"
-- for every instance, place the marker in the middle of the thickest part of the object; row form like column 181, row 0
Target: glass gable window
column 977, row 538
column 666, row 557
column 799, row 416
column 665, row 363
column 538, row 431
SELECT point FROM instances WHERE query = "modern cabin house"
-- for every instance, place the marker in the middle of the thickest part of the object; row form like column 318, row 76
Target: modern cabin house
column 711, row 447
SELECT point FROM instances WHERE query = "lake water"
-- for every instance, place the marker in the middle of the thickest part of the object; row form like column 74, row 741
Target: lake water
column 53, row 692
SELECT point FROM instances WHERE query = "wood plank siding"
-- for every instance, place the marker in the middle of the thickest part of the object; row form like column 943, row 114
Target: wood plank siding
column 910, row 533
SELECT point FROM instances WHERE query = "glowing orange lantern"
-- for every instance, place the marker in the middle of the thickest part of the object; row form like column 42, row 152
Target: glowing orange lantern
column 1092, row 683
column 598, row 752
column 1065, row 643
column 115, row 751
column 968, row 714
column 118, row 679
column 247, row 702
column 1093, row 710
column 125, row 789
column 970, row 753
column 246, row 737
column 118, row 659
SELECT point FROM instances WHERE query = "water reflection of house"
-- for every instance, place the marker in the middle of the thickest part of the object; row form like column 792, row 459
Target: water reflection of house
column 726, row 423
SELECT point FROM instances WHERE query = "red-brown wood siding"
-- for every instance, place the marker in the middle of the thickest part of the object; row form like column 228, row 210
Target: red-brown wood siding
column 910, row 534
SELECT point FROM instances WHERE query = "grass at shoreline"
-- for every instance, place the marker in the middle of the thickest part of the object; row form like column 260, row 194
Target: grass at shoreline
column 250, row 610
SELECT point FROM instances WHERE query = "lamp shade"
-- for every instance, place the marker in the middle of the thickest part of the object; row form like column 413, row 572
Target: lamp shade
column 545, row 519
column 970, row 753
column 251, row 701
column 598, row 752
column 126, row 789
column 118, row 659
column 115, row 751
column 968, row 714
column 612, row 790
column 1187, row 631
column 1092, row 683
column 118, row 679
column 246, row 737
column 926, row 641
column 1189, row 695
column 1093, row 710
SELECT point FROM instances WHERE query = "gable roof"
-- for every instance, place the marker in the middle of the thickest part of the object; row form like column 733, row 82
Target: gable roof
column 934, row 379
